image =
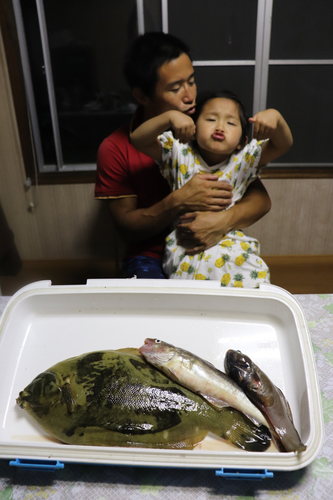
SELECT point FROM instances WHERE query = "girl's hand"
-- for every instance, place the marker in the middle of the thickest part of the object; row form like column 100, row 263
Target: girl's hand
column 265, row 123
column 183, row 126
column 271, row 125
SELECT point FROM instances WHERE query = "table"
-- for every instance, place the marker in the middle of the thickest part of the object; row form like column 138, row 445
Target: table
column 94, row 482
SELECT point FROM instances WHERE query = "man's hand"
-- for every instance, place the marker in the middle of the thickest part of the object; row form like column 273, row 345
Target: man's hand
column 199, row 231
column 205, row 193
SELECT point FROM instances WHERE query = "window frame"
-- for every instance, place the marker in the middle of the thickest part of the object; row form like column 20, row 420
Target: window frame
column 262, row 63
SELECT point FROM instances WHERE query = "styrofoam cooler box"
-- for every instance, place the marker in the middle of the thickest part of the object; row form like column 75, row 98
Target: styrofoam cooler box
column 44, row 324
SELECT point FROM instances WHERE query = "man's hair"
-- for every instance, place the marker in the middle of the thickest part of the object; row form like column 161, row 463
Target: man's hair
column 207, row 96
column 146, row 55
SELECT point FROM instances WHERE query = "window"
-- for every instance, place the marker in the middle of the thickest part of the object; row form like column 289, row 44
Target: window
column 273, row 54
column 300, row 78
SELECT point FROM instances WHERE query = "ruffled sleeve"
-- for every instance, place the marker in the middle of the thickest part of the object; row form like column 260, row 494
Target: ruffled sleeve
column 168, row 152
column 246, row 167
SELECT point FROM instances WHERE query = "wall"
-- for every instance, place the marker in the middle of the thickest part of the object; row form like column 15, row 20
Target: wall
column 69, row 224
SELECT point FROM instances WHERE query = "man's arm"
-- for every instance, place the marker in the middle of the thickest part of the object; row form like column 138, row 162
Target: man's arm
column 201, row 230
column 202, row 193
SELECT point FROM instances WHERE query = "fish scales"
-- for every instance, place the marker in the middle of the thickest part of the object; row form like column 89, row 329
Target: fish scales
column 115, row 398
column 199, row 376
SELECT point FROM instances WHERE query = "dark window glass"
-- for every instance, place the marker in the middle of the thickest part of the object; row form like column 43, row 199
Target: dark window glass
column 152, row 15
column 302, row 29
column 36, row 61
column 238, row 79
column 216, row 30
column 87, row 45
column 303, row 94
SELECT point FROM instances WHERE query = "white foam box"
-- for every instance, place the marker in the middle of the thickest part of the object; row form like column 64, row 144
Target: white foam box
column 44, row 324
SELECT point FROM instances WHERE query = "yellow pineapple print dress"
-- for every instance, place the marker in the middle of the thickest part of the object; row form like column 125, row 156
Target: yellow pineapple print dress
column 235, row 260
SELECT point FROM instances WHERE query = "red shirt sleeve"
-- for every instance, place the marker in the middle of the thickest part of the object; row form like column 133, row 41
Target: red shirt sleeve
column 113, row 178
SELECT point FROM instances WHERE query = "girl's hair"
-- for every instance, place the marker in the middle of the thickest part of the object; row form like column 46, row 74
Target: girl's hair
column 226, row 94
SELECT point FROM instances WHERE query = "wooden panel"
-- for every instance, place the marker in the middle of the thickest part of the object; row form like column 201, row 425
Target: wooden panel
column 296, row 274
column 302, row 273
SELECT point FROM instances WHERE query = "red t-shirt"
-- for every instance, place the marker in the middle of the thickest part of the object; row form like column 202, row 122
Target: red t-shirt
column 122, row 171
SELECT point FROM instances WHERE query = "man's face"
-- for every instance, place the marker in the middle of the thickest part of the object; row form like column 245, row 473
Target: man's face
column 176, row 88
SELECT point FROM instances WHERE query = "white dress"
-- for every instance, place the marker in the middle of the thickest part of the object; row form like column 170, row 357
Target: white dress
column 235, row 260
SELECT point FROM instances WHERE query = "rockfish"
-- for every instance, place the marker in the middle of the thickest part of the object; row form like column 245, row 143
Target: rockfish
column 267, row 397
column 115, row 398
column 199, row 376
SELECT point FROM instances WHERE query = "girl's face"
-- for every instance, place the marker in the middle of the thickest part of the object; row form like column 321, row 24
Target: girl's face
column 218, row 130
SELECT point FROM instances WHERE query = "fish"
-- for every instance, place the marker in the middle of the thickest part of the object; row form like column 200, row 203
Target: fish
column 267, row 397
column 115, row 398
column 199, row 376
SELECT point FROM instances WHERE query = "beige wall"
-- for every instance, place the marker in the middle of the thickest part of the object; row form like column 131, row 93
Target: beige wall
column 68, row 223
column 300, row 221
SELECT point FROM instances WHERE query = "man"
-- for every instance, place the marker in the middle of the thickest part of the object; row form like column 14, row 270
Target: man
column 160, row 73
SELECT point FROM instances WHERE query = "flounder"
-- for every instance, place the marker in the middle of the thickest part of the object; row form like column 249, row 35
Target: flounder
column 115, row 398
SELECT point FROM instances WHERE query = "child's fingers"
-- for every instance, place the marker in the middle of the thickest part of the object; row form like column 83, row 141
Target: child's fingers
column 184, row 134
column 256, row 127
column 260, row 130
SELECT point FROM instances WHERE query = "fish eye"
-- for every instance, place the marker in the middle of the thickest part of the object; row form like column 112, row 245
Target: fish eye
column 50, row 383
column 157, row 341
column 51, row 388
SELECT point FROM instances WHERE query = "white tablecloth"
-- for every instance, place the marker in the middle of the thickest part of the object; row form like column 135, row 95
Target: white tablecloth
column 90, row 482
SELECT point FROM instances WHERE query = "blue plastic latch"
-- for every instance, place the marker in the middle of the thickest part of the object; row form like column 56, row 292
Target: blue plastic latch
column 46, row 465
column 250, row 474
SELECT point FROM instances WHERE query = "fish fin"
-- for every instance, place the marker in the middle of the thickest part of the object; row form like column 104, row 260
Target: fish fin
column 253, row 419
column 211, row 365
column 277, row 440
column 247, row 436
column 216, row 403
column 285, row 444
column 301, row 447
column 173, row 375
column 285, row 404
column 68, row 397
column 296, row 444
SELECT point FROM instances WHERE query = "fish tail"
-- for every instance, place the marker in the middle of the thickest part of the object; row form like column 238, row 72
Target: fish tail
column 293, row 443
column 301, row 447
column 244, row 433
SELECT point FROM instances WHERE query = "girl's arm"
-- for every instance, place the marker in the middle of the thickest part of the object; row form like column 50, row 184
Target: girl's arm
column 145, row 137
column 271, row 125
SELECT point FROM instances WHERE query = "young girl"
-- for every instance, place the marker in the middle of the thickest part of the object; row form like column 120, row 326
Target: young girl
column 215, row 142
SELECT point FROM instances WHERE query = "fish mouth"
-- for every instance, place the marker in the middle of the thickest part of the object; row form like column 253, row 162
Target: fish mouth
column 146, row 343
column 21, row 403
column 29, row 405
column 24, row 401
